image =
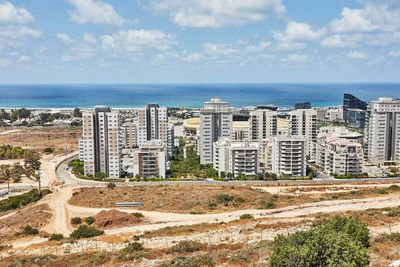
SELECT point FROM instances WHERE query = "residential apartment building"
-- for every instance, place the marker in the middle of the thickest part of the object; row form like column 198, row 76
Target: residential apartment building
column 303, row 122
column 240, row 130
column 128, row 133
column 215, row 122
column 263, row 124
column 149, row 160
column 152, row 124
column 289, row 156
column 238, row 158
column 266, row 154
column 354, row 111
column 382, row 131
column 100, row 142
column 339, row 151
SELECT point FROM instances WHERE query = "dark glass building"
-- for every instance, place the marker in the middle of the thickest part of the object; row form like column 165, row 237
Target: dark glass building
column 354, row 111
column 302, row 105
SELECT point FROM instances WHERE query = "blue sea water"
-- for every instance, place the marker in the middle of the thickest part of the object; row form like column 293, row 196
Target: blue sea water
column 187, row 95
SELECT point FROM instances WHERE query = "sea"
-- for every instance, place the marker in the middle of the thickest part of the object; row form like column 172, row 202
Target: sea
column 187, row 95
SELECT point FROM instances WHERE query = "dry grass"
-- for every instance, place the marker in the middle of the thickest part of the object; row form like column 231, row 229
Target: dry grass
column 60, row 139
column 36, row 216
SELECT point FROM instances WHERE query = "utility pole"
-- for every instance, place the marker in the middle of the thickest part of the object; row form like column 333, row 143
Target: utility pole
column 8, row 185
column 40, row 188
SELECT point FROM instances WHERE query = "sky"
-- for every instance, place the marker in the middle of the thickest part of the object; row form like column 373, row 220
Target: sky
column 199, row 41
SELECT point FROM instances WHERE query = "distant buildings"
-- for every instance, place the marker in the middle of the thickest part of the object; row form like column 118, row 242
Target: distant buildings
column 238, row 158
column 339, row 151
column 100, row 144
column 263, row 124
column 382, row 132
column 303, row 122
column 152, row 124
column 302, row 105
column 354, row 111
column 215, row 122
column 289, row 156
column 150, row 160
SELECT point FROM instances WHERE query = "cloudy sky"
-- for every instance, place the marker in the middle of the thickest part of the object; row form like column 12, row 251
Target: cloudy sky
column 199, row 41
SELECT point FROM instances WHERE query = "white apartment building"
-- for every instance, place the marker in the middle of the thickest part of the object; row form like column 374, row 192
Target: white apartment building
column 289, row 156
column 334, row 114
column 338, row 155
column 240, row 130
column 236, row 157
column 128, row 133
column 266, row 154
column 153, row 124
column 303, row 122
column 100, row 142
column 215, row 122
column 382, row 131
column 149, row 160
column 263, row 124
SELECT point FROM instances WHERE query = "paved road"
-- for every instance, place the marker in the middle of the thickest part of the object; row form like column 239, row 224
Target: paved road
column 65, row 175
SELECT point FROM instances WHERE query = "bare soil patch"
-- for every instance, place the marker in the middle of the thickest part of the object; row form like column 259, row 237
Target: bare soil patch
column 114, row 219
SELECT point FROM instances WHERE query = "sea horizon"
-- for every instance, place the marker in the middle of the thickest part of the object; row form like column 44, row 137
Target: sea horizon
column 189, row 95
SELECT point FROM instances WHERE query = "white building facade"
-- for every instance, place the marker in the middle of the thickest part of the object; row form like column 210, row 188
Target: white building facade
column 289, row 156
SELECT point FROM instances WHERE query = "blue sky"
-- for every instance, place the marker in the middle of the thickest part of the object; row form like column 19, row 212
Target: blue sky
column 199, row 41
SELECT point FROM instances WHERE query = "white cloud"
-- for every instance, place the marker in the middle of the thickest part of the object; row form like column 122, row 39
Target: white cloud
column 217, row 13
column 15, row 36
column 375, row 61
column 337, row 41
column 4, row 62
column 298, row 32
column 394, row 53
column 89, row 38
column 376, row 16
column 258, row 48
column 356, row 55
column 65, row 38
column 194, row 57
column 295, row 58
column 9, row 14
column 95, row 12
column 218, row 50
column 136, row 40
column 24, row 59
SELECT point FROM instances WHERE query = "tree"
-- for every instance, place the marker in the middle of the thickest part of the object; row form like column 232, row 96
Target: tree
column 229, row 175
column 111, row 185
column 32, row 160
column 101, row 175
column 77, row 113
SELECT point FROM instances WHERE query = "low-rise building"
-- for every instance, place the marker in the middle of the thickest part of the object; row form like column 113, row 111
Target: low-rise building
column 149, row 160
column 289, row 156
column 238, row 158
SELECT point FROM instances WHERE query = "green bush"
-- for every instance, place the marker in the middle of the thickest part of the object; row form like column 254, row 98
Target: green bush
column 56, row 237
column 246, row 216
column 48, row 150
column 28, row 230
column 132, row 247
column 240, row 200
column 90, row 220
column 224, row 198
column 138, row 215
column 212, row 205
column 266, row 205
column 342, row 241
column 394, row 187
column 111, row 185
column 19, row 201
column 395, row 237
column 3, row 247
column 76, row 220
column 185, row 246
column 85, row 231
column 382, row 191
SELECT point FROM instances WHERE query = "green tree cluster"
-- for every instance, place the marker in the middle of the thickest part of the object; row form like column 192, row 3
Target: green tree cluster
column 19, row 201
column 342, row 241
column 11, row 152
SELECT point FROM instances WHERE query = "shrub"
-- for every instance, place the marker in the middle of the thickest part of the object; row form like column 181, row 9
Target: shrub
column 395, row 237
column 224, row 198
column 48, row 150
column 76, row 220
column 382, row 191
column 56, row 237
column 266, row 205
column 246, row 216
column 342, row 241
column 29, row 230
column 111, row 185
column 138, row 215
column 240, row 200
column 3, row 247
column 212, row 205
column 135, row 246
column 90, row 220
column 85, row 231
column 394, row 187
column 185, row 246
